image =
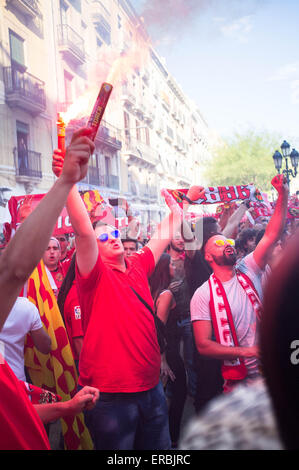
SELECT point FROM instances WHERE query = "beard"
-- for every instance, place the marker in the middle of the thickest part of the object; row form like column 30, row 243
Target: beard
column 178, row 249
column 228, row 258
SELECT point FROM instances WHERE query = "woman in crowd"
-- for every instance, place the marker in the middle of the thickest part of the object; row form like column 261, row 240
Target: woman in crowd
column 172, row 364
column 70, row 310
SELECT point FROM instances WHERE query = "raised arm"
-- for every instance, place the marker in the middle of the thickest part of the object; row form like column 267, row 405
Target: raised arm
column 169, row 226
column 276, row 224
column 26, row 248
column 85, row 240
column 230, row 228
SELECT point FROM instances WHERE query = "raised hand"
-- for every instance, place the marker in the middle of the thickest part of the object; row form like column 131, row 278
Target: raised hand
column 195, row 193
column 57, row 162
column 77, row 156
column 280, row 184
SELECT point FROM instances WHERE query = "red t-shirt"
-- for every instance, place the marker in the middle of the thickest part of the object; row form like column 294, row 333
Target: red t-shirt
column 72, row 316
column 120, row 350
column 59, row 274
column 20, row 426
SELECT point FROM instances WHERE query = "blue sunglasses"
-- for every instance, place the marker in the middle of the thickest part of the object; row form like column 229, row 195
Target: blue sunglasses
column 104, row 236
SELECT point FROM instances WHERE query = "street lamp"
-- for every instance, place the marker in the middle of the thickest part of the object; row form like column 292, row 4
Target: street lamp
column 285, row 153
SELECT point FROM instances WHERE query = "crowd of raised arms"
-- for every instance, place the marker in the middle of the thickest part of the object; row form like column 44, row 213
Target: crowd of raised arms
column 113, row 334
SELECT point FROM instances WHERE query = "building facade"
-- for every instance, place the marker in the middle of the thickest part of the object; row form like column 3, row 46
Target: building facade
column 152, row 135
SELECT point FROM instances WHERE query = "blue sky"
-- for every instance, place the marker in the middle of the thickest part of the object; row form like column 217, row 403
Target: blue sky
column 238, row 60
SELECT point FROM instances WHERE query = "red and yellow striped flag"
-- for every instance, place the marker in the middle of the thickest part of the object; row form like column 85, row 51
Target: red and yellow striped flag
column 55, row 371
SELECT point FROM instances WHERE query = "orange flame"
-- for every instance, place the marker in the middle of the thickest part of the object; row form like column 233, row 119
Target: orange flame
column 112, row 67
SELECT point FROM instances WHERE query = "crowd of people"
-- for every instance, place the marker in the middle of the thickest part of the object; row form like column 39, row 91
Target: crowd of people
column 150, row 323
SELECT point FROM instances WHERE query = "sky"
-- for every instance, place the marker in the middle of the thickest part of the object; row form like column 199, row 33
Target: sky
column 238, row 60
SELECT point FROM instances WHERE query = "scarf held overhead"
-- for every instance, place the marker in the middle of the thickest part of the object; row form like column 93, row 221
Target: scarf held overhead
column 214, row 195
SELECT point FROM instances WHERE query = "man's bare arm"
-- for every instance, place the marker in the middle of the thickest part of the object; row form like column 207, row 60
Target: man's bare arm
column 85, row 241
column 232, row 223
column 207, row 347
column 169, row 226
column 27, row 246
column 86, row 398
column 276, row 224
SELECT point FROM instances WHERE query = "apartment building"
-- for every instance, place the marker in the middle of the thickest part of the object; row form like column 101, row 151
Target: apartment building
column 53, row 52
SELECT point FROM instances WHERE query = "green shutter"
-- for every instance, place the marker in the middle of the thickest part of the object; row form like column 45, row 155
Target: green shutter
column 16, row 49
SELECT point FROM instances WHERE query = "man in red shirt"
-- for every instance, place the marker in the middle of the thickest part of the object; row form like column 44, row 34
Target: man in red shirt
column 21, row 424
column 56, row 270
column 120, row 353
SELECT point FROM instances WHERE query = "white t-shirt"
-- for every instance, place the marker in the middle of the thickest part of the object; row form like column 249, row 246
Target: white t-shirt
column 23, row 318
column 242, row 311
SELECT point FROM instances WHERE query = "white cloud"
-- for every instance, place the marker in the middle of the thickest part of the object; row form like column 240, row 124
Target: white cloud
column 286, row 72
column 238, row 29
column 295, row 92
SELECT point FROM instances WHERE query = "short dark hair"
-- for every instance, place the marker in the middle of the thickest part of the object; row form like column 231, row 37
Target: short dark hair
column 124, row 240
column 99, row 223
column 243, row 237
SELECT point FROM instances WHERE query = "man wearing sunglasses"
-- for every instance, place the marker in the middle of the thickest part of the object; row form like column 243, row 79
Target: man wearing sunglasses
column 225, row 310
column 120, row 350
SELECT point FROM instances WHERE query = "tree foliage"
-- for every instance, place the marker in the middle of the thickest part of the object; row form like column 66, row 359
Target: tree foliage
column 244, row 159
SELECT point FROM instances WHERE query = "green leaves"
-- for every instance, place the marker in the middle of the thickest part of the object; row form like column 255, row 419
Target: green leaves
column 244, row 159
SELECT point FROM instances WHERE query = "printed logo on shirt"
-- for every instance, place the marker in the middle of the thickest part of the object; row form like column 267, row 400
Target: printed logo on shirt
column 77, row 311
column 59, row 277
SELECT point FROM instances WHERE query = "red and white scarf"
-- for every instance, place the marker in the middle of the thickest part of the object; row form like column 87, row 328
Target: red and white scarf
column 223, row 322
column 215, row 195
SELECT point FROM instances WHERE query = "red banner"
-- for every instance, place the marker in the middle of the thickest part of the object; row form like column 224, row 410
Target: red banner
column 21, row 206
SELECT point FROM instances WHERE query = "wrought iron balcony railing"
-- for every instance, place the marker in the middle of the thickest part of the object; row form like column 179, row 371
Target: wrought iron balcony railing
column 27, row 7
column 24, row 90
column 94, row 178
column 71, row 43
column 27, row 164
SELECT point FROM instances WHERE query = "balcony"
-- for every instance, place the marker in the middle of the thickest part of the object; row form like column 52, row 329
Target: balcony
column 139, row 154
column 110, row 181
column 71, row 45
column 28, row 166
column 169, row 136
column 128, row 97
column 149, row 116
column 94, row 178
column 28, row 8
column 148, row 191
column 23, row 90
column 108, row 136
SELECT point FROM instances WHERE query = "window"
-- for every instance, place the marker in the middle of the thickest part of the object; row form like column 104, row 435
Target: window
column 147, row 136
column 126, row 121
column 138, row 137
column 103, row 29
column 127, row 126
column 22, row 146
column 16, row 50
column 119, row 22
column 107, row 165
column 76, row 4
column 68, row 88
column 63, row 13
column 99, row 43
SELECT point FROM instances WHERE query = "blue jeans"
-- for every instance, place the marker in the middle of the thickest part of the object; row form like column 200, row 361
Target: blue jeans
column 189, row 348
column 130, row 421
